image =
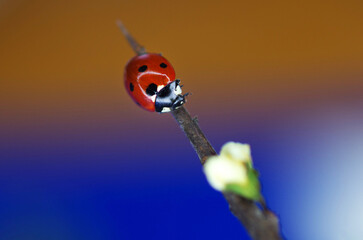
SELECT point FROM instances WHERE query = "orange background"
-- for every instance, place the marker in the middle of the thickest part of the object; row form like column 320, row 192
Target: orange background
column 67, row 54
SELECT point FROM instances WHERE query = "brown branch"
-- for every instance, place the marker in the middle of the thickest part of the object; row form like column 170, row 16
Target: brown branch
column 138, row 49
column 261, row 224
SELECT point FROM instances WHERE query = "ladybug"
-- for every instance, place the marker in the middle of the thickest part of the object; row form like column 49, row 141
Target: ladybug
column 150, row 80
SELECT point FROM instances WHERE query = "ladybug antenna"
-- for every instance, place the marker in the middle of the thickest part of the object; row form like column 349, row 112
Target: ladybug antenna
column 138, row 49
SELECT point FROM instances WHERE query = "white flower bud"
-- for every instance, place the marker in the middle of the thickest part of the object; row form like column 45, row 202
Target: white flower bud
column 221, row 171
column 237, row 151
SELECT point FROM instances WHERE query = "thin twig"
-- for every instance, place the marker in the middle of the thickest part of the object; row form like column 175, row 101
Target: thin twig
column 261, row 224
column 196, row 137
column 138, row 49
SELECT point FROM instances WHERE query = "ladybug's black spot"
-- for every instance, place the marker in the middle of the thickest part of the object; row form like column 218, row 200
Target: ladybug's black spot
column 142, row 68
column 131, row 87
column 163, row 65
column 151, row 89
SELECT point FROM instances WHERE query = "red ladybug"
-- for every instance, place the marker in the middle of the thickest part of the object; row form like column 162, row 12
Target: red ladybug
column 150, row 80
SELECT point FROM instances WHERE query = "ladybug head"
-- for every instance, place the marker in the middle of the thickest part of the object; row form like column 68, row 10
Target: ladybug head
column 169, row 97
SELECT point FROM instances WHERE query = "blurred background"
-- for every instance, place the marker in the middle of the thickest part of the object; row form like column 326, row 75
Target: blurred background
column 80, row 160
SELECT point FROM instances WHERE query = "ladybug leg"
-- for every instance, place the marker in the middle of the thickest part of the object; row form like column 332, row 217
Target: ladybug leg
column 169, row 97
column 178, row 102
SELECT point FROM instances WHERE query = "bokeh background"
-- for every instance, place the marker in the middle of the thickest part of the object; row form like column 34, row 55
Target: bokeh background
column 79, row 160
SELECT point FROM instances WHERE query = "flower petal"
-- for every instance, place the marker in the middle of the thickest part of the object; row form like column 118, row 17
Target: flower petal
column 237, row 151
